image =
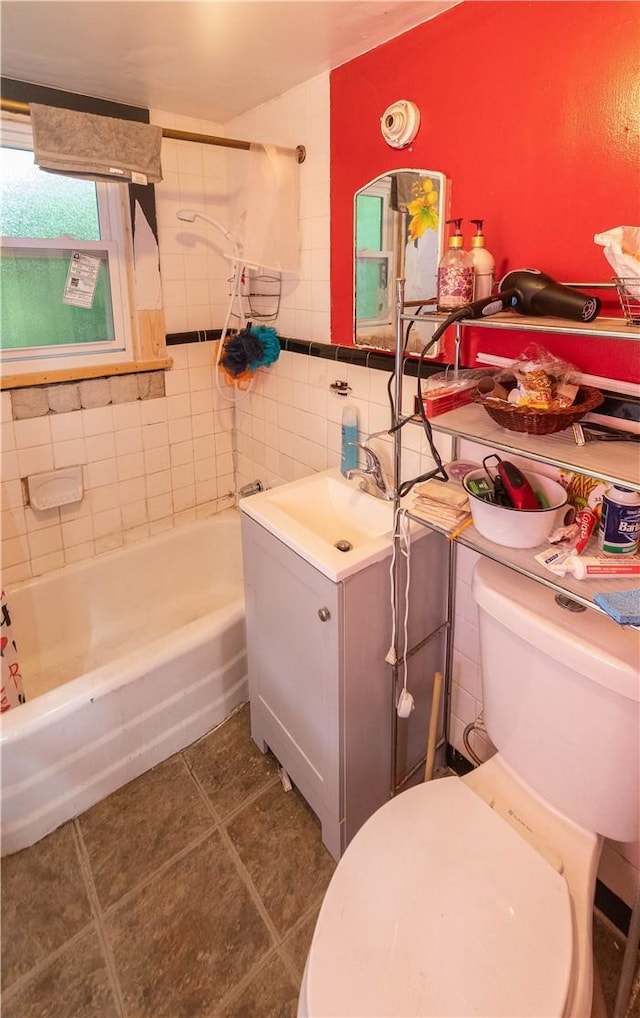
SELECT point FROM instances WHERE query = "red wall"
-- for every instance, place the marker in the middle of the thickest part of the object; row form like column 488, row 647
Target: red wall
column 532, row 110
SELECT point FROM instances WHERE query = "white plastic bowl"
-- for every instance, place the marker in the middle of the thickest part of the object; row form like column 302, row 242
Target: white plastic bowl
column 518, row 528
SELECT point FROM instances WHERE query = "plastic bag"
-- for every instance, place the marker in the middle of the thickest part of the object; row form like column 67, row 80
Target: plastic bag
column 453, row 381
column 543, row 381
column 622, row 251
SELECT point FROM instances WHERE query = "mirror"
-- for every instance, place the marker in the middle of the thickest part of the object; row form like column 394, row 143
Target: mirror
column 398, row 231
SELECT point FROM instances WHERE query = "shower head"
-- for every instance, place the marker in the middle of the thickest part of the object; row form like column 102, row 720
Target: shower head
column 190, row 216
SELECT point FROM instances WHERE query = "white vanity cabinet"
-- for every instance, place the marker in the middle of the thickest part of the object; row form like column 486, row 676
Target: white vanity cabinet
column 319, row 685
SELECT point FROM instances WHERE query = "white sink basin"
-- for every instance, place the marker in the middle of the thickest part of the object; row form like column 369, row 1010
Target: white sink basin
column 313, row 515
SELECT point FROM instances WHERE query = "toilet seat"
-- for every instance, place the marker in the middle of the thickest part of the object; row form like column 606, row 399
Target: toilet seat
column 438, row 907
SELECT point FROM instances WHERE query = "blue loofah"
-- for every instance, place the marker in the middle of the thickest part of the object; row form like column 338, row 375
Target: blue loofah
column 621, row 605
column 254, row 347
column 271, row 344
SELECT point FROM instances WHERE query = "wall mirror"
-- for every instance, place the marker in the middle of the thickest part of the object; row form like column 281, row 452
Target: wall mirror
column 398, row 231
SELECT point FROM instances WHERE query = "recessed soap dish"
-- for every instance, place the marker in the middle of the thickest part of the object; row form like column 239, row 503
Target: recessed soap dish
column 55, row 487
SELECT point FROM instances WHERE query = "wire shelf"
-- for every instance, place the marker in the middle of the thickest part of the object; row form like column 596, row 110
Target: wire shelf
column 628, row 288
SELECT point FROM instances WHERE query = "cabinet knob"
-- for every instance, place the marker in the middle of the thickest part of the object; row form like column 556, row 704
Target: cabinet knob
column 324, row 614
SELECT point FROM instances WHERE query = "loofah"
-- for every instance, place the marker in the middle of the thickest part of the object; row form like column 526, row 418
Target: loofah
column 252, row 348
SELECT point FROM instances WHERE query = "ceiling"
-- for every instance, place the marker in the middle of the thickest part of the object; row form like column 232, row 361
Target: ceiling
column 209, row 59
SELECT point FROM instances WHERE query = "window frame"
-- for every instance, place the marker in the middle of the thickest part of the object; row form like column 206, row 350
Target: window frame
column 382, row 190
column 117, row 243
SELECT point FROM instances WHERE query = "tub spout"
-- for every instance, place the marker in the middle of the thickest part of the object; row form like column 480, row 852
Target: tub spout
column 250, row 489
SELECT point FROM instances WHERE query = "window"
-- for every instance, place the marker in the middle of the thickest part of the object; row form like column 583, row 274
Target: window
column 63, row 268
column 374, row 257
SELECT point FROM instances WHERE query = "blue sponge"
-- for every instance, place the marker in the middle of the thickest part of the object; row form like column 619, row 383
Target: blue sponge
column 621, row 605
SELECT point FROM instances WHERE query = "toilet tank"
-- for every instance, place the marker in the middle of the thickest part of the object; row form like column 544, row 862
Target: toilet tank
column 561, row 694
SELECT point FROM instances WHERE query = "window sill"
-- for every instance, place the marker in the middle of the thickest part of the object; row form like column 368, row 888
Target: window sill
column 73, row 374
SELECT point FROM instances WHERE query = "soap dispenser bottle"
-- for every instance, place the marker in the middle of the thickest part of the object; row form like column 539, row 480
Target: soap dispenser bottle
column 483, row 263
column 349, row 457
column 455, row 273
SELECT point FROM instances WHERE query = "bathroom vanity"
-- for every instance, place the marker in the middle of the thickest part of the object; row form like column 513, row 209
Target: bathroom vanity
column 319, row 684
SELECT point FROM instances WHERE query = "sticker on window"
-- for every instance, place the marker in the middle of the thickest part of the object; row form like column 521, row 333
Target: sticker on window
column 82, row 277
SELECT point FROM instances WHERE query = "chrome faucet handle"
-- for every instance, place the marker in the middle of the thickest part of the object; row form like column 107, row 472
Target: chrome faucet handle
column 373, row 463
column 385, row 433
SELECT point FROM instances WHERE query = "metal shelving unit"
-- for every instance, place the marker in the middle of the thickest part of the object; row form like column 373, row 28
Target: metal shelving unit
column 606, row 461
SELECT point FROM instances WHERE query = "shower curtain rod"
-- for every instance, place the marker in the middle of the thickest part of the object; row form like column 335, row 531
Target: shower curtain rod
column 13, row 106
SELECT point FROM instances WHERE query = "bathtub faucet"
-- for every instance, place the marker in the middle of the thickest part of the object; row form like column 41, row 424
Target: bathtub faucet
column 373, row 478
column 250, row 489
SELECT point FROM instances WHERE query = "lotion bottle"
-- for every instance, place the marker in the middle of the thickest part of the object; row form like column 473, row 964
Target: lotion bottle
column 483, row 263
column 349, row 457
column 455, row 273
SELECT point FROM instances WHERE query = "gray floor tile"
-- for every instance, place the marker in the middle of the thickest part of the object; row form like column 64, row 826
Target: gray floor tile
column 44, row 902
column 184, row 940
column 298, row 942
column 189, row 933
column 278, row 839
column 141, row 826
column 75, row 985
column 229, row 765
column 271, row 994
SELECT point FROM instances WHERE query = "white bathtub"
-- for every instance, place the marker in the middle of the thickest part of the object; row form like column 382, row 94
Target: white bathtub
column 126, row 659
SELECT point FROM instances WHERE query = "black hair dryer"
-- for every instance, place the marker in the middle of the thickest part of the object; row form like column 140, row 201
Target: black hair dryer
column 539, row 294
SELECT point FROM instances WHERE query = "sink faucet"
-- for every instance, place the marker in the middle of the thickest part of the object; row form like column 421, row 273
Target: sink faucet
column 373, row 478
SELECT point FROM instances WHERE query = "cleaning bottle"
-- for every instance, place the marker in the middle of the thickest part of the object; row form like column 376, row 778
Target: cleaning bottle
column 455, row 273
column 483, row 263
column 349, row 458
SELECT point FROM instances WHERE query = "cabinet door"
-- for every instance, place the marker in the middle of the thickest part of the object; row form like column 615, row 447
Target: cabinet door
column 293, row 638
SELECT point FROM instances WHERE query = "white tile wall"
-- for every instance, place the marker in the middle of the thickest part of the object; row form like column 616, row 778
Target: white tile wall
column 193, row 270
column 147, row 465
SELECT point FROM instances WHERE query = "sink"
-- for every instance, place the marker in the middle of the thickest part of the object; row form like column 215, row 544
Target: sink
column 335, row 509
column 320, row 514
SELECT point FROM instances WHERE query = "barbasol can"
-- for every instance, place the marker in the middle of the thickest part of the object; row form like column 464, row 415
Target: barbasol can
column 620, row 522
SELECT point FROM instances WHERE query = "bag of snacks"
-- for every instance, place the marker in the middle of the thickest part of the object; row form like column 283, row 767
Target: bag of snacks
column 543, row 381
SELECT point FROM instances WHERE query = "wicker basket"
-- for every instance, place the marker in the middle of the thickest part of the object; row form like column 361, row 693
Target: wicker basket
column 543, row 422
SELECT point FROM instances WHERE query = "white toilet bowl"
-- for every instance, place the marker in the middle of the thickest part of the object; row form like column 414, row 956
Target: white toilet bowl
column 474, row 896
column 440, row 907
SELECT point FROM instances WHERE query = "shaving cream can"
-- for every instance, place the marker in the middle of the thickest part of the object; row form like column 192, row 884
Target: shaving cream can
column 620, row 522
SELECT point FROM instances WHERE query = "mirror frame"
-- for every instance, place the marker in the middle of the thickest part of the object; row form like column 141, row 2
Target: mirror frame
column 413, row 288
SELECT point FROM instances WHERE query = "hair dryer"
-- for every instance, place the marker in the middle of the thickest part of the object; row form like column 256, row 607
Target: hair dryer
column 532, row 292
column 539, row 294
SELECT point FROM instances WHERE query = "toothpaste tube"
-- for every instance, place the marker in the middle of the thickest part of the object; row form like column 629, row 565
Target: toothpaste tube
column 587, row 566
column 577, row 533
column 586, row 521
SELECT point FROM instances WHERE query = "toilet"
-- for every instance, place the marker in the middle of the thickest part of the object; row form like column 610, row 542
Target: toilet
column 474, row 895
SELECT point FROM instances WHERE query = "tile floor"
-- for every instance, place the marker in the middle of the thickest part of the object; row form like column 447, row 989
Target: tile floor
column 190, row 893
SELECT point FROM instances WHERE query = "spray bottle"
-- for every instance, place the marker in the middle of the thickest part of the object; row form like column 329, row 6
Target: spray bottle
column 455, row 273
column 483, row 263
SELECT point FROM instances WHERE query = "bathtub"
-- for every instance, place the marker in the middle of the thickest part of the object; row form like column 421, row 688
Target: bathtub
column 126, row 659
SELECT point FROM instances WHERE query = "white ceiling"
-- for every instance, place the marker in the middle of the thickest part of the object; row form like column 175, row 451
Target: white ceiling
column 210, row 59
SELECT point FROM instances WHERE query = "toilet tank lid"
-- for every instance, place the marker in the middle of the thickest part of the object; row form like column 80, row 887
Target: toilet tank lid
column 588, row 642
column 439, row 907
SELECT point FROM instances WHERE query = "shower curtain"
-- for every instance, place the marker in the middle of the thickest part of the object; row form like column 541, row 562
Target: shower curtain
column 263, row 206
column 11, row 694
